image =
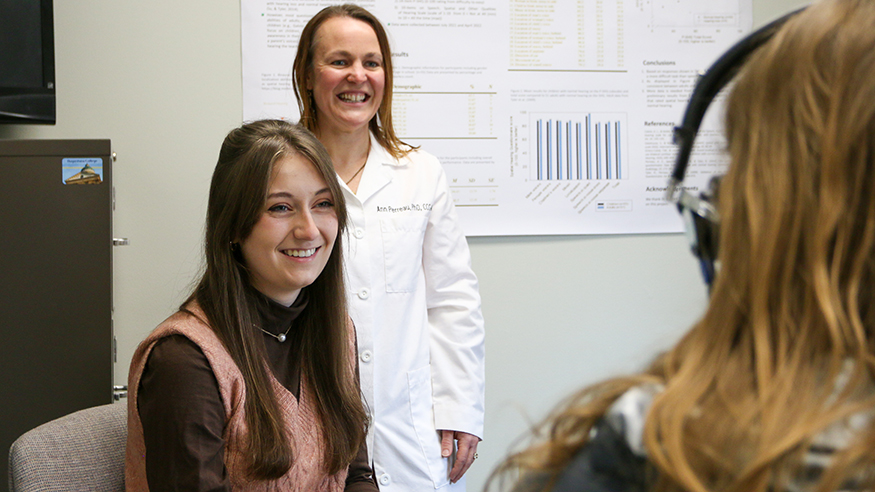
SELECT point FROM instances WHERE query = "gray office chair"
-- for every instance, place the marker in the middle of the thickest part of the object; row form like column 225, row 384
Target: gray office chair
column 84, row 450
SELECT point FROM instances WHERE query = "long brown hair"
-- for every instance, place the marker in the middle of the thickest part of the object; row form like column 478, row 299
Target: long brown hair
column 302, row 70
column 786, row 347
column 239, row 186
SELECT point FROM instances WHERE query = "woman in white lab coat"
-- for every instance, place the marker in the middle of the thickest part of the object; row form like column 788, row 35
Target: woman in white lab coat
column 413, row 296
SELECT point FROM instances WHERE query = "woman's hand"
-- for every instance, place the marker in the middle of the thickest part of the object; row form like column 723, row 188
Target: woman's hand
column 465, row 454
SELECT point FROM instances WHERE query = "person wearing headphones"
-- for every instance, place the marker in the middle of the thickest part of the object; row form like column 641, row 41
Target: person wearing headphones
column 774, row 388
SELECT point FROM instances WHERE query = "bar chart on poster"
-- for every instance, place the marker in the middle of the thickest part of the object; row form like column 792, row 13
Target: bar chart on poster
column 581, row 146
column 549, row 116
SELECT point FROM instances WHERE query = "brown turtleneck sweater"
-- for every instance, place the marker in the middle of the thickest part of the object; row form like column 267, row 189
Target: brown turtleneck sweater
column 183, row 417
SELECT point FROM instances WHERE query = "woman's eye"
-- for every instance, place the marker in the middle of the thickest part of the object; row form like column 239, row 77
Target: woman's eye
column 325, row 204
column 338, row 63
column 279, row 208
column 373, row 64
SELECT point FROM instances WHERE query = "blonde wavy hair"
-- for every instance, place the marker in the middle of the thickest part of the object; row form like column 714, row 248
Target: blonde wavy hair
column 793, row 308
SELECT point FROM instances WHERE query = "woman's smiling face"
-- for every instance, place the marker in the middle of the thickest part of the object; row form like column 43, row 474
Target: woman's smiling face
column 347, row 79
column 292, row 240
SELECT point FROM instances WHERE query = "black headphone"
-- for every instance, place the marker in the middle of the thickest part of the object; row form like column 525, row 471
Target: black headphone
column 699, row 212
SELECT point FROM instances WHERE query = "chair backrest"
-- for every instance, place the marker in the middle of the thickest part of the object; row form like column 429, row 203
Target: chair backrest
column 84, row 450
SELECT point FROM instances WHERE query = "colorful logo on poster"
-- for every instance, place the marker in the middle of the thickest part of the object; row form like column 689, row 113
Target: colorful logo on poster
column 88, row 170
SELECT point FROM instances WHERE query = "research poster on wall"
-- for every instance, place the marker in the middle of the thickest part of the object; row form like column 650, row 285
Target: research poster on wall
column 549, row 116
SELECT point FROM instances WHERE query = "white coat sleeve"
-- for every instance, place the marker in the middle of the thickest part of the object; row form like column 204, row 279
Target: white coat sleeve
column 457, row 336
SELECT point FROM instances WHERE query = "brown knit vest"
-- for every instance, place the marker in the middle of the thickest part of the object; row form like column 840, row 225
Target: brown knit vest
column 303, row 425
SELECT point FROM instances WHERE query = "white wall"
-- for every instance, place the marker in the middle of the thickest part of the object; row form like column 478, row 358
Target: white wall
column 161, row 79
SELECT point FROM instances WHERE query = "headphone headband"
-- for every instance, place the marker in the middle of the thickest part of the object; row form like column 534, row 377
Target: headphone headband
column 699, row 213
column 708, row 86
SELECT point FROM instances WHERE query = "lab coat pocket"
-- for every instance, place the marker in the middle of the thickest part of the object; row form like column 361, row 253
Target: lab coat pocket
column 422, row 415
column 402, row 251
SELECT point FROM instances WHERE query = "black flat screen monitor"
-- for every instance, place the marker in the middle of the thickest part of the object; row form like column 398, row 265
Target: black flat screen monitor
column 27, row 62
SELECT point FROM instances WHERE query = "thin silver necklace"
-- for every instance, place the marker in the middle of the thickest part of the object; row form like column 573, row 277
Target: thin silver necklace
column 281, row 337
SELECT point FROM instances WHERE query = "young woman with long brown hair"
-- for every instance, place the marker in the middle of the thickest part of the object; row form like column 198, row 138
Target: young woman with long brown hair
column 774, row 389
column 252, row 384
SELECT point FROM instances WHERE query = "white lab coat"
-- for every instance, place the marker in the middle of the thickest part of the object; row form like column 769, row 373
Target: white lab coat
column 416, row 307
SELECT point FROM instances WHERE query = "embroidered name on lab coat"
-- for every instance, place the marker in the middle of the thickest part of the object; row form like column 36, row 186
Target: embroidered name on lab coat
column 413, row 207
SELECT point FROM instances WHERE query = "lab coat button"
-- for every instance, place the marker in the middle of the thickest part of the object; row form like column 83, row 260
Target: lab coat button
column 366, row 356
column 359, row 232
column 384, row 479
column 364, row 293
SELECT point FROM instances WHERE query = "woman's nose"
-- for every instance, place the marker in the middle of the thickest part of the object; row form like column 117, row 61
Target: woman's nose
column 356, row 73
column 305, row 227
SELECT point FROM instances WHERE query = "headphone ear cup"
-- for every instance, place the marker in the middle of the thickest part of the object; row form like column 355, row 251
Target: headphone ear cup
column 709, row 226
column 702, row 235
column 707, row 237
column 703, row 229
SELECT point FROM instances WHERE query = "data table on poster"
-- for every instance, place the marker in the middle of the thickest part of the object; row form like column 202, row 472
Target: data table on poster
column 462, row 114
column 549, row 116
